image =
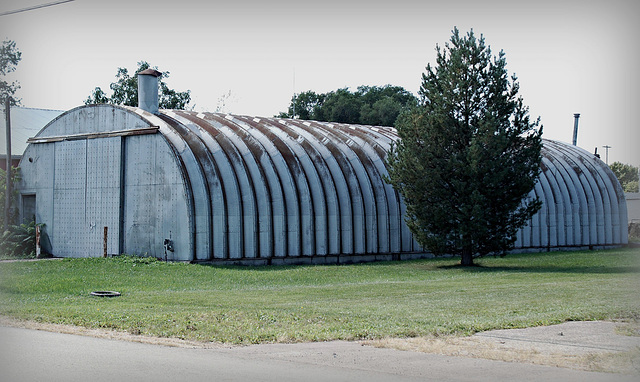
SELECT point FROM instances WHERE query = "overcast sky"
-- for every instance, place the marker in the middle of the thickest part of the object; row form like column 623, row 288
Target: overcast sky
column 569, row 56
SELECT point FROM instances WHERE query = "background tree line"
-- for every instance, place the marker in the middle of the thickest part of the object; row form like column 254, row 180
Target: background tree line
column 125, row 91
column 368, row 105
column 627, row 176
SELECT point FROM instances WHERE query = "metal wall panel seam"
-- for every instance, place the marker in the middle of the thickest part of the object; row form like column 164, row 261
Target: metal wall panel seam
column 367, row 176
column 594, row 204
column 197, row 183
column 217, row 195
column 123, row 196
column 185, row 241
column 388, row 209
column 275, row 222
column 203, row 164
column 526, row 232
column 337, row 165
column 294, row 157
column 619, row 226
column 287, row 185
column 224, row 191
column 608, row 206
column 243, row 171
column 319, row 217
column 354, row 155
column 598, row 198
column 610, row 187
column 610, row 201
column 584, row 212
column 563, row 201
column 249, row 224
column 358, row 201
column 394, row 200
column 380, row 139
column 333, row 182
column 550, row 206
column 539, row 237
column 229, row 216
column 326, row 207
column 380, row 238
column 189, row 198
column 253, row 185
column 570, row 213
column 574, row 188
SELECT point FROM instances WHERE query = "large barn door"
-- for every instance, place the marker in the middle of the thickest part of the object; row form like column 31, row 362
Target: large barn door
column 86, row 196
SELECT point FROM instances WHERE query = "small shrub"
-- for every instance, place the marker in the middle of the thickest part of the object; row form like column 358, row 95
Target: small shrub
column 19, row 241
column 634, row 232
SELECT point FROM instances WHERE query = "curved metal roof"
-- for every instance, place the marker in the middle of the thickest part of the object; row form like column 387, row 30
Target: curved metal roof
column 584, row 204
column 269, row 187
column 289, row 187
column 294, row 187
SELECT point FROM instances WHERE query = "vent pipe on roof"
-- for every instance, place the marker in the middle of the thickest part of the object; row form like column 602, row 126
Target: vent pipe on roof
column 148, row 90
column 575, row 128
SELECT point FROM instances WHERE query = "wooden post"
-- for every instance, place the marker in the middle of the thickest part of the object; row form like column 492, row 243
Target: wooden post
column 104, row 243
column 37, row 241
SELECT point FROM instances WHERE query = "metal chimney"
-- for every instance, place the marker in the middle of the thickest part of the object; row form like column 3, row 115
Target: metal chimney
column 148, row 90
column 575, row 128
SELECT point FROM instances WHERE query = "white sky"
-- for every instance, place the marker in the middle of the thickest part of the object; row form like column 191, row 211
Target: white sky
column 570, row 56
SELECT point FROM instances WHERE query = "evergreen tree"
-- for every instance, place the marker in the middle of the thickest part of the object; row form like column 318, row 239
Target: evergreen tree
column 468, row 155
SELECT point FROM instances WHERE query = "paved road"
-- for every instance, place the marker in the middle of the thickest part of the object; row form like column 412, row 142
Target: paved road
column 31, row 355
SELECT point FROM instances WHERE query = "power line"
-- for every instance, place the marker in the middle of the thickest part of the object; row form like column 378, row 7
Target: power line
column 35, row 7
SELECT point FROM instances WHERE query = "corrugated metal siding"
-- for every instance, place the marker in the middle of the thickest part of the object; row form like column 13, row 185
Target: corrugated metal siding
column 301, row 188
column 583, row 203
column 238, row 187
column 25, row 123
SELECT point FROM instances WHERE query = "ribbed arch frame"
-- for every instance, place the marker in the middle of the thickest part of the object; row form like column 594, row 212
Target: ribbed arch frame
column 290, row 188
column 583, row 203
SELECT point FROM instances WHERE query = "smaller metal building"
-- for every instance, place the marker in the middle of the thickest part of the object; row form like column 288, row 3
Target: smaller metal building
column 215, row 187
column 25, row 123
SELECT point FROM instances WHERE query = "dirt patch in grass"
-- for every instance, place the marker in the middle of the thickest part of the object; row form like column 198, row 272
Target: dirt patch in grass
column 627, row 362
column 599, row 346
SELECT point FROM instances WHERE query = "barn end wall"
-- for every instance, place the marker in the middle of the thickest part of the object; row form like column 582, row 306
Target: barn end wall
column 103, row 166
column 244, row 190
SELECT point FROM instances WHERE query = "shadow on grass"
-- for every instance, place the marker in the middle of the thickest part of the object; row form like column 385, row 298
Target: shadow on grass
column 543, row 269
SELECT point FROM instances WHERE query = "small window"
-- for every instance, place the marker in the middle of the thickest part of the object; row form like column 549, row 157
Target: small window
column 28, row 208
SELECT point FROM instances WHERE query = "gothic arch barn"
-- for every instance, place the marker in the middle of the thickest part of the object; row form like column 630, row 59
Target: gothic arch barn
column 215, row 187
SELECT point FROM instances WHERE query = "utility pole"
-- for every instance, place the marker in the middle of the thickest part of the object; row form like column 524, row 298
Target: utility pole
column 606, row 150
column 9, row 188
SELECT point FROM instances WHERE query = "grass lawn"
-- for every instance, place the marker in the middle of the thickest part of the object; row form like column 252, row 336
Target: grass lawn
column 316, row 303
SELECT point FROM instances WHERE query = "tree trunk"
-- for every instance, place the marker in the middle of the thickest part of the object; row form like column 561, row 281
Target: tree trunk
column 467, row 257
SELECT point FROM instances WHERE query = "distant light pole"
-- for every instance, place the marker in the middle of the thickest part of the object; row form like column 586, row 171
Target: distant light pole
column 606, row 148
column 9, row 185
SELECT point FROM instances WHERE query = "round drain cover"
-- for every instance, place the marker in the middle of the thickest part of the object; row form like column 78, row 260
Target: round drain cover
column 105, row 293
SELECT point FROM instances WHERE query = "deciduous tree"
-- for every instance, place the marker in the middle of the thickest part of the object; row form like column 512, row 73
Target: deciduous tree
column 370, row 105
column 125, row 91
column 10, row 56
column 627, row 176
